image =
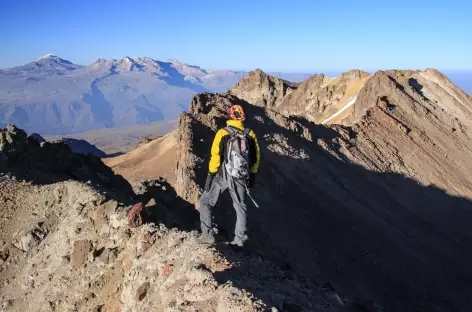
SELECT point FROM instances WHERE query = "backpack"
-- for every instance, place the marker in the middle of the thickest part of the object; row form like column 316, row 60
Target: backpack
column 237, row 153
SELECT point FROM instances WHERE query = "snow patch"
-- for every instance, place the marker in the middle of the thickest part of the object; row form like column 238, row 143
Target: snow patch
column 350, row 102
column 45, row 56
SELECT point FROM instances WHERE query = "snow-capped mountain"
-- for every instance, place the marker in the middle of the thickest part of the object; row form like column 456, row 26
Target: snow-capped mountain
column 211, row 80
column 52, row 95
column 44, row 65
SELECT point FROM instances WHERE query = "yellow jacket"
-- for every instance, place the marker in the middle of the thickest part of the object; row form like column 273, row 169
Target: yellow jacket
column 218, row 147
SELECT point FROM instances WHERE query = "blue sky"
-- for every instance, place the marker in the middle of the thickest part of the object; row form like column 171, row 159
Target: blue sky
column 297, row 36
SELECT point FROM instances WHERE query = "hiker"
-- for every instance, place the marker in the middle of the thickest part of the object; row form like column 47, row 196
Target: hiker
column 234, row 162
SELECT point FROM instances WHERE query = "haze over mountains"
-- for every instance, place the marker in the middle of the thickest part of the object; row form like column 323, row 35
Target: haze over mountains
column 54, row 96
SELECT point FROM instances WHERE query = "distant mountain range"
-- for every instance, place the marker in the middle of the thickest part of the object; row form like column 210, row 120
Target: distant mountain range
column 55, row 96
column 52, row 95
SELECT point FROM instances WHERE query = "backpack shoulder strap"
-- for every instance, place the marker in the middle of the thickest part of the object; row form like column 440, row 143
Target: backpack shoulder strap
column 246, row 131
column 230, row 130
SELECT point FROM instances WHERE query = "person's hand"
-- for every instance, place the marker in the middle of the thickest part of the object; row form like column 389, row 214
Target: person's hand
column 251, row 180
column 208, row 181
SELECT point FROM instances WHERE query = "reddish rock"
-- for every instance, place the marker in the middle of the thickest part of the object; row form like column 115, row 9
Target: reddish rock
column 167, row 270
column 147, row 237
column 134, row 215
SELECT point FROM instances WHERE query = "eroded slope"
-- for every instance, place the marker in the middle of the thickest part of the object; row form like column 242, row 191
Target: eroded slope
column 319, row 98
column 376, row 207
column 148, row 161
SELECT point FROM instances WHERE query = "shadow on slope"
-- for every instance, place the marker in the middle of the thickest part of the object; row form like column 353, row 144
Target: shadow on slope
column 116, row 154
column 100, row 107
column 176, row 79
column 163, row 205
column 84, row 147
column 374, row 235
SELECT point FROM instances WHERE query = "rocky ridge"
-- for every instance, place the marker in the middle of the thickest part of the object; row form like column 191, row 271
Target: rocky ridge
column 316, row 98
column 50, row 162
column 263, row 90
column 372, row 204
column 67, row 245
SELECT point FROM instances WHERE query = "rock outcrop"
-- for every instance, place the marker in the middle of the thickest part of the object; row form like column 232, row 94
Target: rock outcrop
column 320, row 97
column 263, row 90
column 27, row 159
column 90, row 260
column 147, row 139
column 76, row 145
column 316, row 98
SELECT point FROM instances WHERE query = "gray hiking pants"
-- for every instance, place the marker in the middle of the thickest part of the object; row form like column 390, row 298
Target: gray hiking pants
column 237, row 190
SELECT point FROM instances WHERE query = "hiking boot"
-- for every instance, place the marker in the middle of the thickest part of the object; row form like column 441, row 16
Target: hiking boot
column 236, row 247
column 205, row 239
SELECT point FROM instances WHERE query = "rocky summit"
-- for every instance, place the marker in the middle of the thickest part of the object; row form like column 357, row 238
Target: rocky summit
column 365, row 196
column 344, row 99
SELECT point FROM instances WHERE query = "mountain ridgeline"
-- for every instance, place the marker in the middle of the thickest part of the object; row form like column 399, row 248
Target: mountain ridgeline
column 54, row 96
